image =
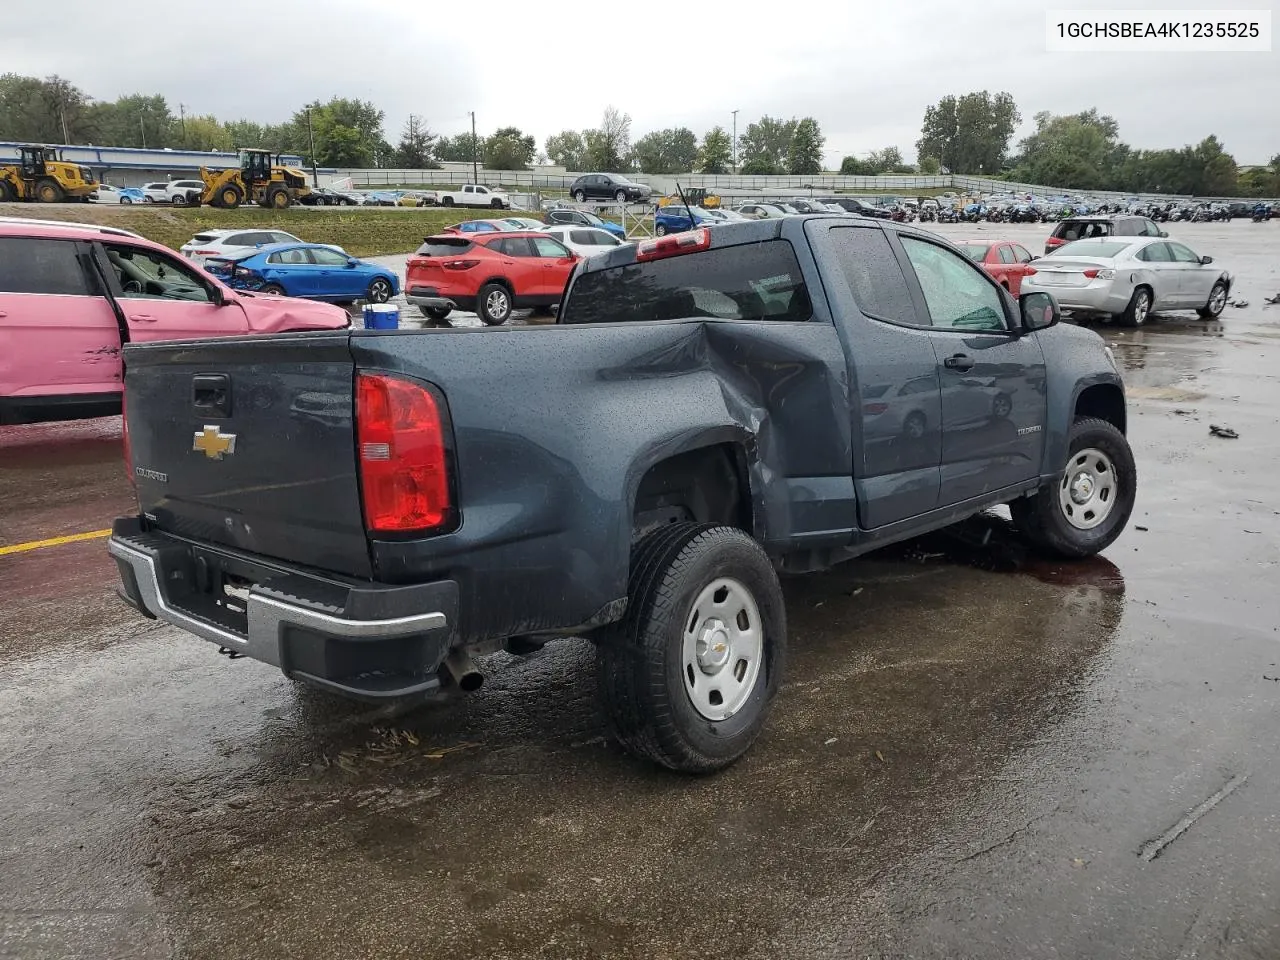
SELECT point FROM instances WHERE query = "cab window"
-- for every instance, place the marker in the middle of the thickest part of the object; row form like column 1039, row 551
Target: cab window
column 958, row 295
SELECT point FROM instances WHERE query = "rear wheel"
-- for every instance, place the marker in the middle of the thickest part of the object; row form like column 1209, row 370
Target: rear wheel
column 379, row 291
column 687, row 677
column 1088, row 507
column 1135, row 314
column 273, row 290
column 278, row 198
column 48, row 191
column 495, row 304
column 1216, row 302
column 178, row 200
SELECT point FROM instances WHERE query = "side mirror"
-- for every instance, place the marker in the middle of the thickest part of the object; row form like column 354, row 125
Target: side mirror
column 352, row 262
column 1206, row 259
column 1035, row 256
column 217, row 296
column 1039, row 311
column 1164, row 233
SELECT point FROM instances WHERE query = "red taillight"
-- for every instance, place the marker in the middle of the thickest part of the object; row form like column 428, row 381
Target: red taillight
column 1091, row 273
column 404, row 474
column 1054, row 242
column 673, row 245
column 1029, row 272
column 875, row 408
column 459, row 264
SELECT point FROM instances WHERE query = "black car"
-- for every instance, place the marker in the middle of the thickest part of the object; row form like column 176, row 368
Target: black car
column 1091, row 228
column 861, row 207
column 609, row 186
column 327, row 197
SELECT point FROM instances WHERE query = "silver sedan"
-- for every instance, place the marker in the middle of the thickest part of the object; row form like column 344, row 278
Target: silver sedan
column 1129, row 277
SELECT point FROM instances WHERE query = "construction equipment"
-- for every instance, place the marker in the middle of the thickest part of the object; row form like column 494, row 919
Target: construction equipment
column 261, row 178
column 698, row 196
column 42, row 175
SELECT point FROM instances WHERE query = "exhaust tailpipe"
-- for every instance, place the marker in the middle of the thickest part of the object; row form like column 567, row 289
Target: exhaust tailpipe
column 463, row 671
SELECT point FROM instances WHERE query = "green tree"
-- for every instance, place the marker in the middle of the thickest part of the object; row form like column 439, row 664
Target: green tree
column 206, row 133
column 609, row 145
column 758, row 167
column 416, row 142
column 347, row 132
column 971, row 133
column 886, row 160
column 929, row 166
column 36, row 110
column 852, row 166
column 459, row 149
column 1078, row 151
column 716, row 153
column 509, row 149
column 766, row 144
column 135, row 120
column 804, row 155
column 567, row 149
column 247, row 133
column 674, row 150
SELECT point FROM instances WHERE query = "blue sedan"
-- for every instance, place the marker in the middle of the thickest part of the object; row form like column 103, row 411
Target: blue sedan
column 309, row 270
column 675, row 219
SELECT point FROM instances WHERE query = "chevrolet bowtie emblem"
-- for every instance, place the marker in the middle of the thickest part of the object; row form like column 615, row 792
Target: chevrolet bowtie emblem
column 213, row 443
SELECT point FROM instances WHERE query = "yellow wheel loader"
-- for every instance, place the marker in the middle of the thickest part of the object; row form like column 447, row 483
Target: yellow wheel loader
column 42, row 176
column 261, row 178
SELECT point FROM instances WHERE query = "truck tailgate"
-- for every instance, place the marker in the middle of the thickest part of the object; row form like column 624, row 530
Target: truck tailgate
column 249, row 443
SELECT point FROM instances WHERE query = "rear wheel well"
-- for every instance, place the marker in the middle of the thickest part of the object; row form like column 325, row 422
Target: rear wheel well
column 706, row 485
column 1103, row 401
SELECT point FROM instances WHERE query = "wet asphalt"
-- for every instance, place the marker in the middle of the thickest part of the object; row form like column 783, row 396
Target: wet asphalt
column 974, row 755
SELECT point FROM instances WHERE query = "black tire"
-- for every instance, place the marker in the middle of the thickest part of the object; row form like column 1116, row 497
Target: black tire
column 178, row 200
column 447, row 201
column 436, row 313
column 1135, row 314
column 124, row 200
column 48, row 191
column 580, row 196
column 1043, row 522
column 273, row 290
column 230, row 196
column 7, row 193
column 147, row 199
column 277, row 199
column 660, row 229
column 379, row 290
column 1216, row 303
column 496, row 204
column 639, row 659
column 499, row 311
column 620, row 196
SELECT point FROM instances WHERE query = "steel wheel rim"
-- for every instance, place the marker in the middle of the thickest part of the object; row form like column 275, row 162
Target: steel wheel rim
column 1218, row 299
column 496, row 304
column 1141, row 308
column 722, row 649
column 1087, row 492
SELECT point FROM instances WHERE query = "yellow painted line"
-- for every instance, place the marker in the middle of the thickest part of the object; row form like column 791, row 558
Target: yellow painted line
column 54, row 542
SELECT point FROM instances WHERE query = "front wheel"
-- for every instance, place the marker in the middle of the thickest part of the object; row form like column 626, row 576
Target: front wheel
column 273, row 290
column 621, row 196
column 495, row 304
column 1216, row 302
column 660, row 229
column 688, row 675
column 126, row 200
column 1088, row 507
column 580, row 196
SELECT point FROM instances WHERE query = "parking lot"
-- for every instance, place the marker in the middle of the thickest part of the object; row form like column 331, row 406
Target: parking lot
column 975, row 754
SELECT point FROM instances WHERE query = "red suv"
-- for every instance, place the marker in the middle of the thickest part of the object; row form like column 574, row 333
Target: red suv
column 488, row 273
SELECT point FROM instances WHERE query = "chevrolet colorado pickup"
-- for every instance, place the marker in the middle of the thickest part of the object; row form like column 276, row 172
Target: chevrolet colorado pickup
column 367, row 510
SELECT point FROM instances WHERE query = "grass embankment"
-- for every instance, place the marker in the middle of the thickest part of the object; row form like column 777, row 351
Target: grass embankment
column 361, row 231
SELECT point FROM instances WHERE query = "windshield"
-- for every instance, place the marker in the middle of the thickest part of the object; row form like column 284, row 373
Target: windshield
column 977, row 252
column 1091, row 248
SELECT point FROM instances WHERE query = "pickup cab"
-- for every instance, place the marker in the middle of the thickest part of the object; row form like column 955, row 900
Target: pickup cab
column 368, row 510
column 474, row 195
column 71, row 295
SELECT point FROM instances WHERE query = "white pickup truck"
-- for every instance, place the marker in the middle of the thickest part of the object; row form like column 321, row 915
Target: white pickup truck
column 474, row 195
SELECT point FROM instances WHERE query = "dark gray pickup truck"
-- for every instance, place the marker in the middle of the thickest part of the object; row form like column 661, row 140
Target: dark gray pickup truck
column 368, row 510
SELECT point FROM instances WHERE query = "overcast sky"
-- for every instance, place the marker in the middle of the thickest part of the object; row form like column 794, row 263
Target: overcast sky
column 865, row 70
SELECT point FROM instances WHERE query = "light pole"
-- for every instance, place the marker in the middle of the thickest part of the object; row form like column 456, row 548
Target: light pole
column 311, row 136
column 735, row 140
column 475, row 150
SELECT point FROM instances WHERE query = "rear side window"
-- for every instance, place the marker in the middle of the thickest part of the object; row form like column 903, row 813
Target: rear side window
column 1070, row 230
column 1006, row 255
column 874, row 274
column 512, row 246
column 444, row 248
column 41, row 266
column 585, row 237
column 758, row 281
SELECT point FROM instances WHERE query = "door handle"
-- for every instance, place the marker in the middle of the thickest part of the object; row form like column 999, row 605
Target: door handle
column 142, row 317
column 960, row 361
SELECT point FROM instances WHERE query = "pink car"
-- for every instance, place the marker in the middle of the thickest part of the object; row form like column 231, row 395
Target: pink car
column 71, row 294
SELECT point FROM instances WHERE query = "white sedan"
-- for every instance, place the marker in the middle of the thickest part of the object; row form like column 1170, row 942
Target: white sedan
column 584, row 241
column 1128, row 278
column 109, row 194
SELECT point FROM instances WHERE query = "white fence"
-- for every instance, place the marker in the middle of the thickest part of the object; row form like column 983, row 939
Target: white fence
column 556, row 178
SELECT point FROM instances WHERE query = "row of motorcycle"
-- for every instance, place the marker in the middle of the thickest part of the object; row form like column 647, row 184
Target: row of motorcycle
column 1171, row 212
